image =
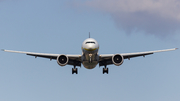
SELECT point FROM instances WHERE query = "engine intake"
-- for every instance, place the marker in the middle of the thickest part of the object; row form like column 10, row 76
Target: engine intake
column 62, row 60
column 117, row 59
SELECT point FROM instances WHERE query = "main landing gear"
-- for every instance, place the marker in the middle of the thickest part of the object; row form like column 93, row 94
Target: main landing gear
column 74, row 70
column 105, row 70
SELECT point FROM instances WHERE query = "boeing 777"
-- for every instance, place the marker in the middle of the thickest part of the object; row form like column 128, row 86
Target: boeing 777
column 90, row 56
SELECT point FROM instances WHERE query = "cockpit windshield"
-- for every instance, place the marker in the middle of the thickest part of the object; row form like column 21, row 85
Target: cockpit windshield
column 90, row 42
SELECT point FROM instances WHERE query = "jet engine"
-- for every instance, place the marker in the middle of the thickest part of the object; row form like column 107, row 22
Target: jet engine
column 117, row 59
column 62, row 60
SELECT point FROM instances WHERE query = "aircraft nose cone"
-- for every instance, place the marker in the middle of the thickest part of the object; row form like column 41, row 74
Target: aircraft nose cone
column 91, row 47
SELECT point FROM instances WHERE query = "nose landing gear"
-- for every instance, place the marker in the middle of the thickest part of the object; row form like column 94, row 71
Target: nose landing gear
column 90, row 58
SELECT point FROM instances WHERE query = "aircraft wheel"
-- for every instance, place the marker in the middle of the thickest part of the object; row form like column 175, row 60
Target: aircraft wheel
column 74, row 70
column 105, row 70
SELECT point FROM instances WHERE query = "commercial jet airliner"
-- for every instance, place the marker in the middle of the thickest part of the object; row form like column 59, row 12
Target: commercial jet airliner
column 90, row 56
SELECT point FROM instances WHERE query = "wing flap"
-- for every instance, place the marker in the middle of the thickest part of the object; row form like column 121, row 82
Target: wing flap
column 135, row 55
column 43, row 56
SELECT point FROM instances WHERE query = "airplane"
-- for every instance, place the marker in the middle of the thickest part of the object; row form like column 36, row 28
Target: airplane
column 90, row 56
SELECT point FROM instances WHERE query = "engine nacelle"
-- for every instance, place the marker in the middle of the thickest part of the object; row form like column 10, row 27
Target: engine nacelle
column 117, row 59
column 62, row 60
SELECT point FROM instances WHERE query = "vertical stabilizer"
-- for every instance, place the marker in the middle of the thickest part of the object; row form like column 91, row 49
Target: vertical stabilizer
column 89, row 35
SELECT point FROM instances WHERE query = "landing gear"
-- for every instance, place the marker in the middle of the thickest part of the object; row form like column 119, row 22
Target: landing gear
column 90, row 58
column 105, row 70
column 74, row 70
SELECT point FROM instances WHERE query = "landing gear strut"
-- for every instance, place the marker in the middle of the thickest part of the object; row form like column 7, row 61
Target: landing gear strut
column 105, row 70
column 74, row 70
column 90, row 58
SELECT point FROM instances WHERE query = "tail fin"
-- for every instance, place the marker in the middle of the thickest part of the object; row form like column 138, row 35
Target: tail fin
column 89, row 34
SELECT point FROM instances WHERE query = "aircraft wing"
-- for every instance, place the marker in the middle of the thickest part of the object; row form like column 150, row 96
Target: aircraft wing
column 49, row 56
column 108, row 57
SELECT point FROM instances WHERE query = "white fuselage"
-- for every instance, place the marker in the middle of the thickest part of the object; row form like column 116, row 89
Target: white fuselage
column 90, row 55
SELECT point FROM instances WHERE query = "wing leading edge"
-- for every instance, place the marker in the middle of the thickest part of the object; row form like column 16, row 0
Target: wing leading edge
column 131, row 55
column 47, row 55
column 44, row 55
column 108, row 57
column 104, row 58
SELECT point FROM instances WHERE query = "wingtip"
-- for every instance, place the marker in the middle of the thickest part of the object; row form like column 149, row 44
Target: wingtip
column 176, row 48
column 2, row 49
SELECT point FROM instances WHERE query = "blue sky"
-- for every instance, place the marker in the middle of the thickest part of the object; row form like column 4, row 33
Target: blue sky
column 53, row 26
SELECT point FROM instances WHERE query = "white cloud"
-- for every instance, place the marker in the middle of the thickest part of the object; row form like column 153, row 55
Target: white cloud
column 159, row 17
